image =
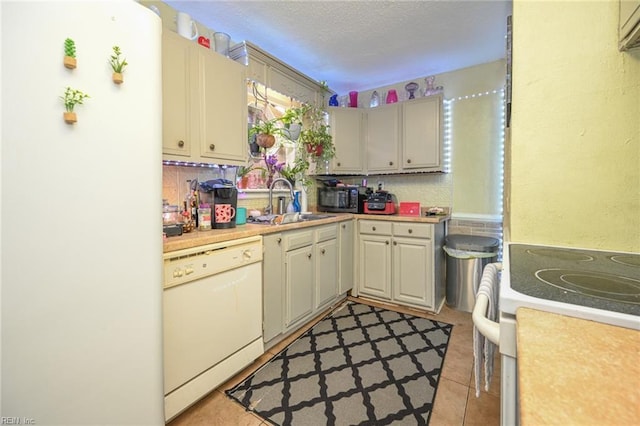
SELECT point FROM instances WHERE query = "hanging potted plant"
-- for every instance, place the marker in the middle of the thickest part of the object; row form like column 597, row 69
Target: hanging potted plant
column 71, row 98
column 266, row 132
column 117, row 65
column 292, row 121
column 316, row 139
column 69, row 54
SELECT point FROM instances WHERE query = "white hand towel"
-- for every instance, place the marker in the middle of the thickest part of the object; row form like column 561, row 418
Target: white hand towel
column 483, row 349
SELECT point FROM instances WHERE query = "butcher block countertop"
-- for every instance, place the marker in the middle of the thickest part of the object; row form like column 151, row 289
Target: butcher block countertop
column 198, row 238
column 576, row 372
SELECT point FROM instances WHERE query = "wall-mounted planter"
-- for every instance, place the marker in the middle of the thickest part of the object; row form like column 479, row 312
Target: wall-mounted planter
column 70, row 62
column 117, row 78
column 69, row 117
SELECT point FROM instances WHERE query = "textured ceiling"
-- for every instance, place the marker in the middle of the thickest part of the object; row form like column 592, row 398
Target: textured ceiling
column 358, row 45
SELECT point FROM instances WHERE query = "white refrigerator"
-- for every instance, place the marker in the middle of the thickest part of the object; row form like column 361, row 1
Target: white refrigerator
column 80, row 221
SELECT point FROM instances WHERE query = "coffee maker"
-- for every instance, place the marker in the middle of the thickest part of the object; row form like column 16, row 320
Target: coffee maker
column 222, row 195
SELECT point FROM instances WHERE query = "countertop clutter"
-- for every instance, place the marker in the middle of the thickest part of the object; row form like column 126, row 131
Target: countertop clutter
column 197, row 238
column 576, row 372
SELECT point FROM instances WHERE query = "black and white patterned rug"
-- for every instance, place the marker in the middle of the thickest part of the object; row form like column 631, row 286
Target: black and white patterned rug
column 361, row 365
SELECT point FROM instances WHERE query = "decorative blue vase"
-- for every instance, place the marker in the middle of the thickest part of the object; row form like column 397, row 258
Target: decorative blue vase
column 333, row 100
column 296, row 202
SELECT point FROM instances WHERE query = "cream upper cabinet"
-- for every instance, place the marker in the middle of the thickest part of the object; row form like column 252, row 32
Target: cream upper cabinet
column 222, row 106
column 383, row 138
column 348, row 137
column 422, row 133
column 176, row 109
column 204, row 104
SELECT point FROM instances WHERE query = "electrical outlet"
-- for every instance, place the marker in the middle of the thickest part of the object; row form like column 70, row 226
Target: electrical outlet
column 380, row 185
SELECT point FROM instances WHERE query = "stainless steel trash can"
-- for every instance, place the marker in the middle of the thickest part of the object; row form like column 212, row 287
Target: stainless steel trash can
column 467, row 255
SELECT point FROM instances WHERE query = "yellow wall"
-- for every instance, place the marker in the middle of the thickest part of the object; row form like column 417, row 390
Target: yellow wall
column 575, row 135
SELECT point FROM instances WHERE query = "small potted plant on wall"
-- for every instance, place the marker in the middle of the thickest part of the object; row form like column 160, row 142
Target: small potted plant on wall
column 69, row 54
column 71, row 98
column 266, row 132
column 242, row 175
column 117, row 65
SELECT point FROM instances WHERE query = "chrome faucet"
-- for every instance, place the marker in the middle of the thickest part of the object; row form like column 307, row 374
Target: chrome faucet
column 269, row 209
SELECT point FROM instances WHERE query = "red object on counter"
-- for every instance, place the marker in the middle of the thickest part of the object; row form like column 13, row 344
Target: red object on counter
column 203, row 41
column 409, row 209
column 389, row 208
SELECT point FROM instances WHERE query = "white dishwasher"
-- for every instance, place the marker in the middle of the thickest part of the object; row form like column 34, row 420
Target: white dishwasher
column 212, row 318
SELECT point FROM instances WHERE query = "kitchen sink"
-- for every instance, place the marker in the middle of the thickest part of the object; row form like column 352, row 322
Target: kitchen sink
column 305, row 217
column 274, row 219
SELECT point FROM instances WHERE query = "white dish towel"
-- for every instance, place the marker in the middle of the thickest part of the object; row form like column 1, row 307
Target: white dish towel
column 483, row 348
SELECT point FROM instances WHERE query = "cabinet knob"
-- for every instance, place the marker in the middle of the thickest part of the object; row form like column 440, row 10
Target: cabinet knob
column 409, row 161
column 279, row 241
column 322, row 251
column 387, row 242
column 410, row 231
column 344, row 226
column 338, row 164
column 181, row 144
column 395, row 243
column 373, row 228
column 391, row 163
column 212, row 147
column 309, row 255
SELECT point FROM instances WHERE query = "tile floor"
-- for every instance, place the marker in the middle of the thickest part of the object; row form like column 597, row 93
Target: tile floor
column 455, row 404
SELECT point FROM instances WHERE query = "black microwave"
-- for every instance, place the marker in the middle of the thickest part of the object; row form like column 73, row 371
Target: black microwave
column 341, row 199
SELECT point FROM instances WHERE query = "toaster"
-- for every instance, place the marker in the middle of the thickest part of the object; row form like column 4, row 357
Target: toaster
column 381, row 202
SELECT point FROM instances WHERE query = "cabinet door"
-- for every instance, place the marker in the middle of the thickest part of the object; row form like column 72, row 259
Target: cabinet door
column 326, row 272
column 176, row 131
column 222, row 106
column 412, row 271
column 346, row 129
column 383, row 135
column 273, row 286
column 346, row 260
column 298, row 284
column 375, row 266
column 421, row 138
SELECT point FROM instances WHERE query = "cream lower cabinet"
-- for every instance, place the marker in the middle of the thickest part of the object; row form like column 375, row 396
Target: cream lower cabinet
column 402, row 262
column 346, row 257
column 204, row 104
column 272, row 286
column 300, row 277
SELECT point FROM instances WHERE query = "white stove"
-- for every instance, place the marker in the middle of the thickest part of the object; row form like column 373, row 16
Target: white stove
column 590, row 284
column 595, row 285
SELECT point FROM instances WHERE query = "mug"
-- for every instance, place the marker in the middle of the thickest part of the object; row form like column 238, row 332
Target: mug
column 186, row 26
column 221, row 43
column 241, row 215
column 224, row 213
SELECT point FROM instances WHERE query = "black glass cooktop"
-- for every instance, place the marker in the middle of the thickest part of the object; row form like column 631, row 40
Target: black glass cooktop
column 597, row 279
